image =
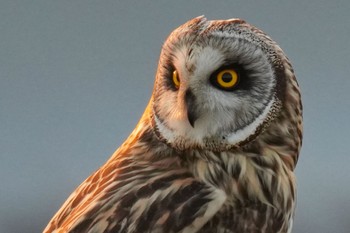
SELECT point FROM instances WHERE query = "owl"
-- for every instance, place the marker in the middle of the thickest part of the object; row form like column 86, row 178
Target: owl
column 215, row 149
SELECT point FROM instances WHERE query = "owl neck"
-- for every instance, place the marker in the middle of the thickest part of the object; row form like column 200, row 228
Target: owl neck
column 245, row 177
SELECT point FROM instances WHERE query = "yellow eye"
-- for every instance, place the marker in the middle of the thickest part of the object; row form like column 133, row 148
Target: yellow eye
column 176, row 79
column 227, row 78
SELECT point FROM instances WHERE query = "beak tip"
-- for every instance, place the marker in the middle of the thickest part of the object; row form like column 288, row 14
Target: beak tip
column 192, row 117
column 191, row 123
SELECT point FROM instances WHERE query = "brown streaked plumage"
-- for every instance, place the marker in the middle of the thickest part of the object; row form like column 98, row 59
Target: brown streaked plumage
column 205, row 156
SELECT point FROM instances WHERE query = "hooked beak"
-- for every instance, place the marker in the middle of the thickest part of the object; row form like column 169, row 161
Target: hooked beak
column 190, row 102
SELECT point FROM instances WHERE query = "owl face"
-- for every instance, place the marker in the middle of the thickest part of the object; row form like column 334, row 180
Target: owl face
column 218, row 85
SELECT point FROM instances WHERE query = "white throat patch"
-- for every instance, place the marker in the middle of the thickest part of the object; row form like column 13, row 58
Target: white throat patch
column 242, row 134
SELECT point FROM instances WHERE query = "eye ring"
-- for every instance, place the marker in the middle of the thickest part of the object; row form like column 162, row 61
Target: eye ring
column 176, row 79
column 226, row 79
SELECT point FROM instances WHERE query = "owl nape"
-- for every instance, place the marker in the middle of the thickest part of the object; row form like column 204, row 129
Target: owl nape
column 215, row 150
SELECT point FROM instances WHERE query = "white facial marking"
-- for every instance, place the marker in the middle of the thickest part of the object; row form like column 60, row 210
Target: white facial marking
column 244, row 133
column 205, row 60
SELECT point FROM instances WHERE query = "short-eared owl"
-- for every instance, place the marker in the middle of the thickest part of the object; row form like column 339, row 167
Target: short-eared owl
column 215, row 149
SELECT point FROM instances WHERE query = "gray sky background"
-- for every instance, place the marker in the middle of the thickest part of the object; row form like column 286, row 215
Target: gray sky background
column 75, row 76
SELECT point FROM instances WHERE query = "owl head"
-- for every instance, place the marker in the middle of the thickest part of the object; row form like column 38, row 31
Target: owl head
column 219, row 84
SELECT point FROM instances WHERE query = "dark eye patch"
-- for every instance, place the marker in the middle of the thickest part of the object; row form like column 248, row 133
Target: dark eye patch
column 244, row 82
column 167, row 73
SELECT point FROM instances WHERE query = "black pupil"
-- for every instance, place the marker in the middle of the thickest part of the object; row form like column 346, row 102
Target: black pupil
column 226, row 77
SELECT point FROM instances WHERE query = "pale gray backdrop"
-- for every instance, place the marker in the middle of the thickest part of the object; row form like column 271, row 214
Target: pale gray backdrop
column 75, row 77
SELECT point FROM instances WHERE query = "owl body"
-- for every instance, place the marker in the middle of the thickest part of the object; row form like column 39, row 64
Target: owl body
column 215, row 148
